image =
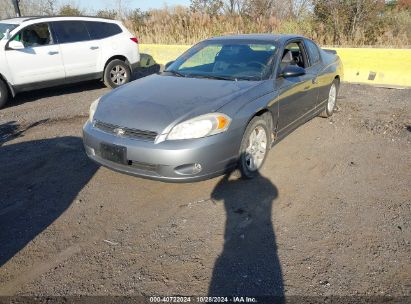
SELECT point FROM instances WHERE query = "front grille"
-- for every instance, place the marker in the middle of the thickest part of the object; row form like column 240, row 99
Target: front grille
column 127, row 132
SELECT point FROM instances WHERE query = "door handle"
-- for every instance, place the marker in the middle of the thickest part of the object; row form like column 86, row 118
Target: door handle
column 53, row 52
column 94, row 47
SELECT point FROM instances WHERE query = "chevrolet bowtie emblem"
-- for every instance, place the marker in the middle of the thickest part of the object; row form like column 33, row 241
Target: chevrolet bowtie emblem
column 119, row 131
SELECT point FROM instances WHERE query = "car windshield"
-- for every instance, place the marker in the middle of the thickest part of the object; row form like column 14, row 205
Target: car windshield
column 4, row 27
column 226, row 59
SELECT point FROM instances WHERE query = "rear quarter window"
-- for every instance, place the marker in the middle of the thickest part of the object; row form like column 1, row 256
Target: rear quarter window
column 100, row 30
column 313, row 52
column 70, row 31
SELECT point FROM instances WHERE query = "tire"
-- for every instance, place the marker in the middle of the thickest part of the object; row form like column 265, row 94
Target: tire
column 4, row 94
column 332, row 100
column 116, row 73
column 247, row 166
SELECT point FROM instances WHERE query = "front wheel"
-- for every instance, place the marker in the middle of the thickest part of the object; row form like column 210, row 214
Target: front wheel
column 4, row 93
column 332, row 100
column 254, row 147
column 116, row 73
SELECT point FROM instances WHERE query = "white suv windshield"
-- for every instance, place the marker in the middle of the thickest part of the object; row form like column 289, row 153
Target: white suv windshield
column 4, row 27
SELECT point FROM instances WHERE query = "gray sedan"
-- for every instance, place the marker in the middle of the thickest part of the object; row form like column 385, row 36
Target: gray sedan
column 221, row 105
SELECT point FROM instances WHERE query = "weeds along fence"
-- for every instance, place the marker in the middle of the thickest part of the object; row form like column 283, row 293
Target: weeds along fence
column 180, row 26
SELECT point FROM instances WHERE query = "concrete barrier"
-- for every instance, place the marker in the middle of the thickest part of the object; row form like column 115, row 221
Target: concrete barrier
column 162, row 53
column 382, row 67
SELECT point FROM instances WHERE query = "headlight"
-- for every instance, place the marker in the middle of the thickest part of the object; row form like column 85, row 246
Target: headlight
column 201, row 126
column 93, row 108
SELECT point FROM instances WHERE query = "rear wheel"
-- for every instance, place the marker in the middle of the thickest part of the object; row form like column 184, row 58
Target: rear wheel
column 254, row 147
column 117, row 73
column 4, row 94
column 332, row 100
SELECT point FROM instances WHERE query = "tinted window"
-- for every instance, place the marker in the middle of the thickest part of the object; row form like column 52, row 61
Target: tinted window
column 100, row 30
column 35, row 35
column 70, row 31
column 313, row 52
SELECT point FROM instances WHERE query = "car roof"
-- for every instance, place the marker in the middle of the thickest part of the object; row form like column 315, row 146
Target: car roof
column 14, row 20
column 20, row 20
column 262, row 37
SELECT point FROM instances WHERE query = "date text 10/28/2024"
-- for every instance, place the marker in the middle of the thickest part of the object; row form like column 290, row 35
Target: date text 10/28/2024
column 181, row 299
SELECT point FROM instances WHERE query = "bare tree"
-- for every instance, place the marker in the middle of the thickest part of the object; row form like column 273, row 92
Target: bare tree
column 121, row 7
column 211, row 7
column 300, row 7
column 230, row 6
column 349, row 19
column 37, row 7
column 266, row 8
column 70, row 10
column 6, row 9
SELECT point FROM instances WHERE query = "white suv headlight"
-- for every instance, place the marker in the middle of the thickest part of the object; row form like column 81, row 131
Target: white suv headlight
column 201, row 126
column 93, row 108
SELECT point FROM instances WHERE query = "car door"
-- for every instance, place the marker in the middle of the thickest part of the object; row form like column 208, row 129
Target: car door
column 323, row 80
column 297, row 95
column 81, row 55
column 39, row 61
column 314, row 68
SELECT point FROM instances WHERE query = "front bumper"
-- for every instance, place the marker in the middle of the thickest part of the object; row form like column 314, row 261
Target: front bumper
column 172, row 161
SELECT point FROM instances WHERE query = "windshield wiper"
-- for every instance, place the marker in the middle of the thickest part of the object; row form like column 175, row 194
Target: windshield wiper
column 250, row 78
column 176, row 73
column 213, row 77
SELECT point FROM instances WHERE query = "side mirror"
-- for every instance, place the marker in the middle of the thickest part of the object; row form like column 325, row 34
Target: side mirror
column 15, row 45
column 7, row 34
column 292, row 71
column 168, row 64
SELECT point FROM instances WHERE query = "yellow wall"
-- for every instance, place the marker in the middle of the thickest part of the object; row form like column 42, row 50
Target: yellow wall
column 162, row 53
column 391, row 67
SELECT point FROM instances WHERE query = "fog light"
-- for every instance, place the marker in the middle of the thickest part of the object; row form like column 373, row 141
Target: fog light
column 189, row 169
column 90, row 151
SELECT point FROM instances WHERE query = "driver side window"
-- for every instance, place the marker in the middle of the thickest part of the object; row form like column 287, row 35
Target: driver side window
column 35, row 35
column 294, row 55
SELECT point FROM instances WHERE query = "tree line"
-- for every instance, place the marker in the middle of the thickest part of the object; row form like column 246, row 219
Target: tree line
column 330, row 22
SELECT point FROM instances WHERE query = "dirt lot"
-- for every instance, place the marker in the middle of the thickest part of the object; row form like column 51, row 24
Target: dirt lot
column 330, row 215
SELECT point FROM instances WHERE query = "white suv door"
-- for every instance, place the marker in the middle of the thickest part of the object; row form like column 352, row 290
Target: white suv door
column 81, row 55
column 39, row 61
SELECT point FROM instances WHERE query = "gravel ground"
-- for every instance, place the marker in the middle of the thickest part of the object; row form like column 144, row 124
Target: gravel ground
column 330, row 214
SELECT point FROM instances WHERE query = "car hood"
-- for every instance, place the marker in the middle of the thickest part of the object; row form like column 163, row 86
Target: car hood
column 155, row 102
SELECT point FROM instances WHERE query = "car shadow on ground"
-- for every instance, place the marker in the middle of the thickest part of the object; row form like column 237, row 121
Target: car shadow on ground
column 39, row 181
column 34, row 95
column 249, row 264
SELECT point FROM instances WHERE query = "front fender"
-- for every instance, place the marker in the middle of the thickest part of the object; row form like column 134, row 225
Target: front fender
column 247, row 111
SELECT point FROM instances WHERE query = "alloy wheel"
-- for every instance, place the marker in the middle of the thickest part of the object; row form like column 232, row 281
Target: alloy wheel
column 256, row 149
column 118, row 75
column 332, row 96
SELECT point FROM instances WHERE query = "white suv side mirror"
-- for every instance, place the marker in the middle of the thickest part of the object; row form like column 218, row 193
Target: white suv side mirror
column 7, row 34
column 16, row 45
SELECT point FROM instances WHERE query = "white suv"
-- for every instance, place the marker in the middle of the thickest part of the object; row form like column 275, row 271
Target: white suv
column 47, row 51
